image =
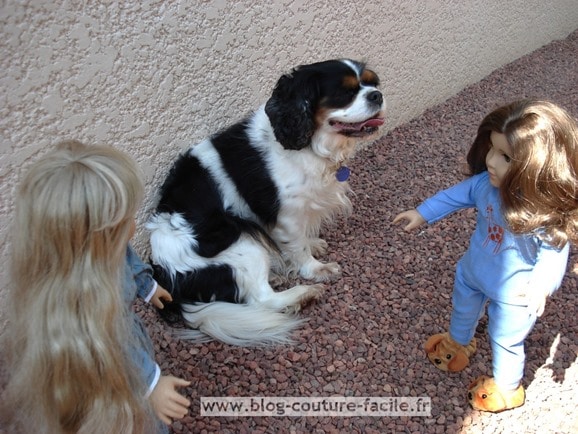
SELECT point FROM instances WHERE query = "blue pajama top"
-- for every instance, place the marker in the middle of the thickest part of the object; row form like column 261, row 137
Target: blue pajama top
column 498, row 262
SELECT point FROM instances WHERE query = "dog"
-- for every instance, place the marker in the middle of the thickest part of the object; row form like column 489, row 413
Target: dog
column 247, row 204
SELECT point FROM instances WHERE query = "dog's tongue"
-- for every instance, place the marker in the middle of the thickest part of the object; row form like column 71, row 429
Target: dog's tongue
column 358, row 126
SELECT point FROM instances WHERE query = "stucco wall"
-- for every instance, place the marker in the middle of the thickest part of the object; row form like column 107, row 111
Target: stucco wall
column 153, row 77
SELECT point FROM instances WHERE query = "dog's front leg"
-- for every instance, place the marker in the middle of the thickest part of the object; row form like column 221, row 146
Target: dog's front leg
column 297, row 250
column 319, row 271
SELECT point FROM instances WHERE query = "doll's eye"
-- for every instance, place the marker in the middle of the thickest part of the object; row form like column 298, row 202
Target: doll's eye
column 507, row 158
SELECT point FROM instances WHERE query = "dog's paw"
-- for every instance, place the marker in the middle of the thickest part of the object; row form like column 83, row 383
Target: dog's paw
column 318, row 246
column 313, row 293
column 320, row 272
column 329, row 271
column 276, row 279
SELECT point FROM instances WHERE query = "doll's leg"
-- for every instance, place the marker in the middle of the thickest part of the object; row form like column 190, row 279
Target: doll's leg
column 467, row 308
column 508, row 327
column 451, row 351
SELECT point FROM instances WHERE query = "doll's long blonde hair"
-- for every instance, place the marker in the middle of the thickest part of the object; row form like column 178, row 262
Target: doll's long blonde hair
column 540, row 190
column 69, row 327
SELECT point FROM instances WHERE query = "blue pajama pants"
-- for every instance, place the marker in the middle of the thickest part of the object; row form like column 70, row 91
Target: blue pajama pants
column 508, row 327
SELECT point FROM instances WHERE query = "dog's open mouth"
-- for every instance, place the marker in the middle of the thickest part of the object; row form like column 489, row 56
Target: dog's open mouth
column 357, row 129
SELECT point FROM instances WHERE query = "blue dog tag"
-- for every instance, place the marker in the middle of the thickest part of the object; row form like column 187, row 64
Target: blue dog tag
column 342, row 173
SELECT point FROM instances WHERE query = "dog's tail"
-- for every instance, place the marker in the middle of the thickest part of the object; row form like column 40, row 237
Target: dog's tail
column 237, row 324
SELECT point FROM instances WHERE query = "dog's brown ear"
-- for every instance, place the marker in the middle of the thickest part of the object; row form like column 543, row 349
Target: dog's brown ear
column 476, row 382
column 458, row 362
column 431, row 343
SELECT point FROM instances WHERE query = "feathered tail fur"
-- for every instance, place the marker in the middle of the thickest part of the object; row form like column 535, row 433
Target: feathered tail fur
column 238, row 324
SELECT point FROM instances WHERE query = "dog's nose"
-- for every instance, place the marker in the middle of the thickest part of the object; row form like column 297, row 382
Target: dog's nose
column 438, row 361
column 470, row 396
column 375, row 97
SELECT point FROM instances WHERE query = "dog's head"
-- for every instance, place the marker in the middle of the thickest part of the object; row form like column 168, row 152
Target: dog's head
column 329, row 105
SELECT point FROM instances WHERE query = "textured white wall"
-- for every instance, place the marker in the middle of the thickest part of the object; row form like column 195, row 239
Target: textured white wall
column 153, row 77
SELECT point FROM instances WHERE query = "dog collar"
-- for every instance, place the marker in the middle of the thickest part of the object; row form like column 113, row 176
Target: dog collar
column 342, row 173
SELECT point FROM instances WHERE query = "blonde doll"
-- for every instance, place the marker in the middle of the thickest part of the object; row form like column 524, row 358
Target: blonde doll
column 524, row 185
column 79, row 358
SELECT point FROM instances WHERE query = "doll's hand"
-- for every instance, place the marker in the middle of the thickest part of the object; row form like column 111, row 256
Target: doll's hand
column 159, row 295
column 415, row 219
column 167, row 403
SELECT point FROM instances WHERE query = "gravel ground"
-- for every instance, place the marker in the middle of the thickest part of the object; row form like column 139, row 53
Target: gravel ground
column 365, row 337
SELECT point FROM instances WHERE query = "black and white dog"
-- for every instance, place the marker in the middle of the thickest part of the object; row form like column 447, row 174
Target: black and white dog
column 246, row 205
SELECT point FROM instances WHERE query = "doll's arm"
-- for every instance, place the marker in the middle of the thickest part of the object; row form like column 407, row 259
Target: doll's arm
column 142, row 274
column 413, row 217
column 445, row 202
column 147, row 288
column 167, row 403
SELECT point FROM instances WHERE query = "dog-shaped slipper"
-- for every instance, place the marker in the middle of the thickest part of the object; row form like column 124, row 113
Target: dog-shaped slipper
column 485, row 395
column 446, row 354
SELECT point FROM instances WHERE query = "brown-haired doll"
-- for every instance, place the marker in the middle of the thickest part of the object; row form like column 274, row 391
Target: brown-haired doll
column 524, row 183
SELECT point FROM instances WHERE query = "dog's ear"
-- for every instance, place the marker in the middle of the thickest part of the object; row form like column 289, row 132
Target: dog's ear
column 291, row 109
column 432, row 342
column 477, row 382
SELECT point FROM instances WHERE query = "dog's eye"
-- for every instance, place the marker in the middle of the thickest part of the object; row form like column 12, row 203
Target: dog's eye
column 448, row 356
column 348, row 94
column 484, row 396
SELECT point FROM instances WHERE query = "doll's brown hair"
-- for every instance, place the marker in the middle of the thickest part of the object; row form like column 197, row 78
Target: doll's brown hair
column 539, row 191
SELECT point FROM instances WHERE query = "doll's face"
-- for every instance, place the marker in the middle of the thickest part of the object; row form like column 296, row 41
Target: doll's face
column 498, row 158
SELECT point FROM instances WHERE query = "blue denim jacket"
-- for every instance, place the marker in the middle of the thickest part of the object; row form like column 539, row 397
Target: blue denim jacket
column 138, row 280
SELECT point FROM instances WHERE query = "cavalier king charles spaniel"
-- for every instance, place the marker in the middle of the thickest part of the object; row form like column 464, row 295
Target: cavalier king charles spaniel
column 243, row 209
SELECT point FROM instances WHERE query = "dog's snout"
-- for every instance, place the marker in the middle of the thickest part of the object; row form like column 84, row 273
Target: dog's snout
column 437, row 361
column 375, row 97
column 470, row 396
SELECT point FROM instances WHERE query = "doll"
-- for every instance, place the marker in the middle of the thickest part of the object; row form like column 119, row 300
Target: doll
column 523, row 167
column 79, row 359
